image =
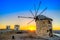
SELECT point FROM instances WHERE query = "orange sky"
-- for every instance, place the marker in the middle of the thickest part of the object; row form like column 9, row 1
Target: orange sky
column 29, row 27
column 56, row 28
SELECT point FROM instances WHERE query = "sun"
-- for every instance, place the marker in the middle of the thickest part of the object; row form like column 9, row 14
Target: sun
column 31, row 28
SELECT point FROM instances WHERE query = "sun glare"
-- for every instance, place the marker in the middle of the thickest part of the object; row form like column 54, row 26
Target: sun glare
column 32, row 28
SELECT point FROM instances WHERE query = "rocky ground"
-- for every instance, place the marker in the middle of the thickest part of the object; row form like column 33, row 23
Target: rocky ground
column 9, row 36
column 18, row 37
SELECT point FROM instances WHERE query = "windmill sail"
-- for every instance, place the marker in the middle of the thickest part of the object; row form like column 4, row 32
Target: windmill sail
column 31, row 12
column 24, row 17
column 30, row 21
column 38, row 8
column 43, row 11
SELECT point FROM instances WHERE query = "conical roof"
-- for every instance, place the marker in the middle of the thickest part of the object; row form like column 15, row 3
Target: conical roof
column 42, row 17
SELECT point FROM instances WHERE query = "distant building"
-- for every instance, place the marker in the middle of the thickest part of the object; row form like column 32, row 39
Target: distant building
column 16, row 27
column 8, row 27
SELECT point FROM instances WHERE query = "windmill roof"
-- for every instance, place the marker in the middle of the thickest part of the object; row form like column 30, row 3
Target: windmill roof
column 42, row 17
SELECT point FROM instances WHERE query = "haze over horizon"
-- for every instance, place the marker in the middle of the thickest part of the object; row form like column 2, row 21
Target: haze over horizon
column 11, row 9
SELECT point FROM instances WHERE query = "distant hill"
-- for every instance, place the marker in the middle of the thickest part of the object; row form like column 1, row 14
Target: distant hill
column 56, row 31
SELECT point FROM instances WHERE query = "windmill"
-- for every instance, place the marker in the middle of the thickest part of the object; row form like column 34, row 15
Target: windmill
column 35, row 17
column 43, row 23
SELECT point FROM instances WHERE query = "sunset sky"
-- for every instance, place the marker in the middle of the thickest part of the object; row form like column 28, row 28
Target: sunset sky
column 11, row 9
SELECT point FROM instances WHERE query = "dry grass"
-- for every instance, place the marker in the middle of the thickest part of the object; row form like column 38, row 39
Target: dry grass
column 5, row 36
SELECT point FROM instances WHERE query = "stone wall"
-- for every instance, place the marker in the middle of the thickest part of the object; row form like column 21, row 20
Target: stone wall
column 42, row 26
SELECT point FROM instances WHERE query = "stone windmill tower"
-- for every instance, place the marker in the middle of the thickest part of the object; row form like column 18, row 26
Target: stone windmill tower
column 44, row 26
column 8, row 27
column 43, row 23
column 16, row 27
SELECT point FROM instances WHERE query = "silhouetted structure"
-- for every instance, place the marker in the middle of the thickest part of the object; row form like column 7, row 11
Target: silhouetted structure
column 8, row 27
column 16, row 27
